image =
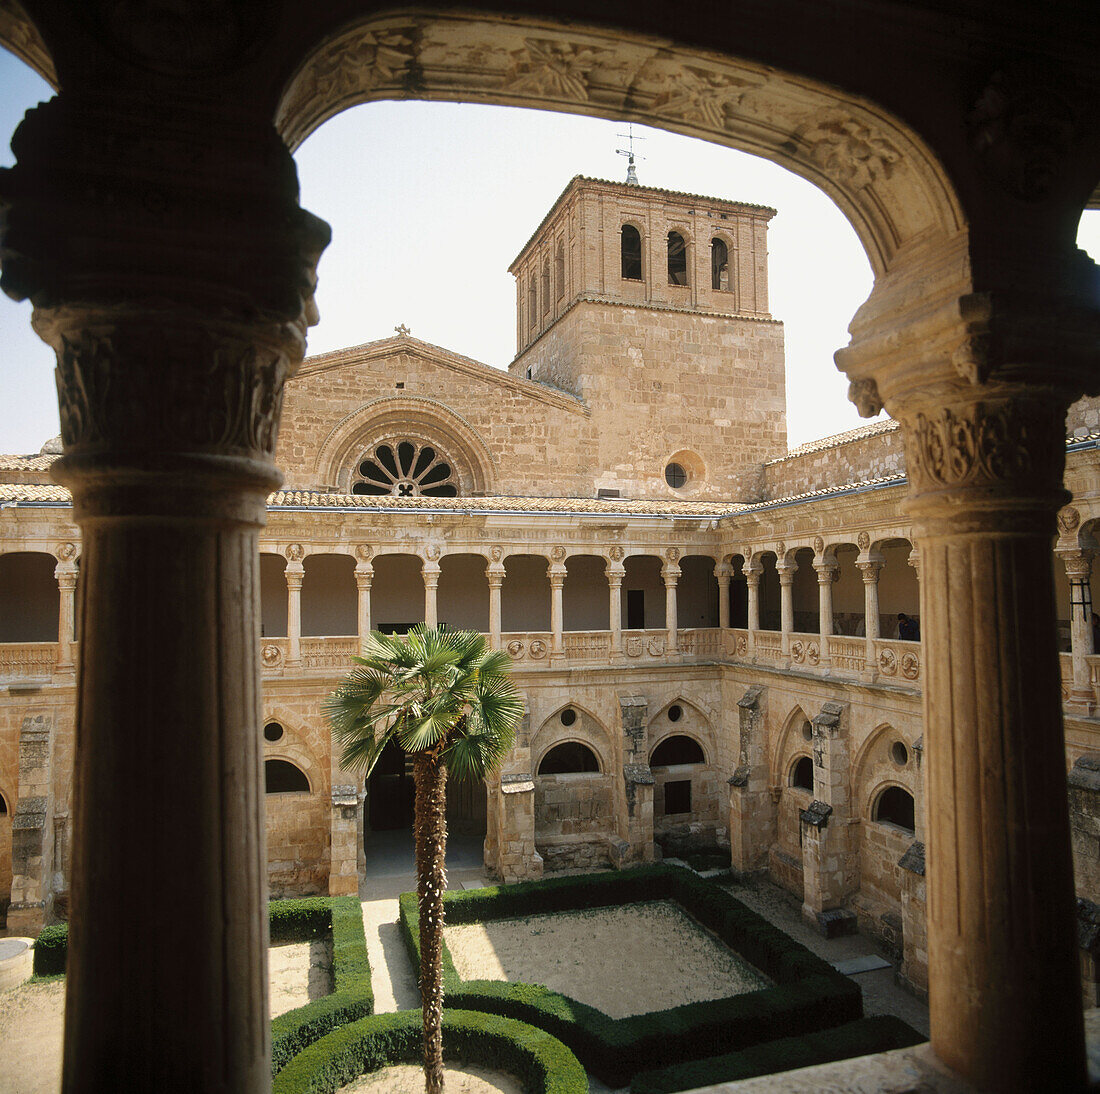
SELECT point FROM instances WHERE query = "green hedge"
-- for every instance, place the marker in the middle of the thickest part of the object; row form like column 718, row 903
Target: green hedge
column 352, row 999
column 289, row 921
column 51, row 949
column 860, row 1038
column 541, row 1062
column 809, row 994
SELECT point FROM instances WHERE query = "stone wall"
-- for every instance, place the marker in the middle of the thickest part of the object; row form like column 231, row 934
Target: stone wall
column 297, row 844
column 870, row 452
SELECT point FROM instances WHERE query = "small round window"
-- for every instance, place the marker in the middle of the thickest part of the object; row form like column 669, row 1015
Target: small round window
column 807, row 731
column 568, row 716
column 273, row 732
column 899, row 753
column 676, row 476
column 675, row 712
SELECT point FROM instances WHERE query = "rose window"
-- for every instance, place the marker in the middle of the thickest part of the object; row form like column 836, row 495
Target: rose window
column 406, row 469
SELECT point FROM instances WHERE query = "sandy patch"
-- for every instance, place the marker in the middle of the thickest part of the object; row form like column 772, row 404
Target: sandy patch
column 32, row 1016
column 409, row 1079
column 299, row 972
column 627, row 960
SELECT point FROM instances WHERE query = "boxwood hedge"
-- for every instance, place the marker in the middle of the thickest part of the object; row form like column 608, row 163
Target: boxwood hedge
column 808, row 995
column 289, row 921
column 860, row 1038
column 541, row 1062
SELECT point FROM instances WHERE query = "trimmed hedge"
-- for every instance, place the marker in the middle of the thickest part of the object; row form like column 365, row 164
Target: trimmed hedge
column 289, row 921
column 352, row 999
column 51, row 950
column 809, row 994
column 860, row 1038
column 541, row 1062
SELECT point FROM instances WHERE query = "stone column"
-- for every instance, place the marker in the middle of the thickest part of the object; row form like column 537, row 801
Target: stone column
column 723, row 572
column 752, row 809
column 634, row 796
column 670, row 572
column 829, row 873
column 985, row 473
column 430, row 574
column 557, row 580
column 615, row 574
column 31, row 834
column 177, row 310
column 295, row 574
column 345, row 830
column 786, row 571
column 495, row 574
column 827, row 571
column 870, row 568
column 66, row 574
column 752, row 572
column 1078, row 566
column 364, row 576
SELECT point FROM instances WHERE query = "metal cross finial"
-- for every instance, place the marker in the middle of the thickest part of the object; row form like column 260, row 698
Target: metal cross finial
column 631, row 174
column 402, row 329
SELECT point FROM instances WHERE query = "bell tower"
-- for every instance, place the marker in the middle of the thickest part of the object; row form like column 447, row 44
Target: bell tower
column 652, row 306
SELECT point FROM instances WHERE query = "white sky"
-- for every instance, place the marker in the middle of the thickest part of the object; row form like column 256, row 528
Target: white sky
column 429, row 203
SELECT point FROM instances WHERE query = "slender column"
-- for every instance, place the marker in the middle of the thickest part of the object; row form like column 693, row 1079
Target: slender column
column 557, row 580
column 723, row 572
column 786, row 571
column 826, row 576
column 985, row 474
column 671, row 574
column 295, row 574
column 752, row 589
column 495, row 574
column 175, row 323
column 431, row 588
column 615, row 574
column 65, row 573
column 870, row 568
column 1078, row 566
column 364, row 577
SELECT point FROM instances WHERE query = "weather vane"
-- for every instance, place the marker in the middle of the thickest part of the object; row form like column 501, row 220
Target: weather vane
column 631, row 174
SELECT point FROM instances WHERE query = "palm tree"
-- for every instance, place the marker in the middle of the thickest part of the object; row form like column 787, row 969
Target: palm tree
column 449, row 702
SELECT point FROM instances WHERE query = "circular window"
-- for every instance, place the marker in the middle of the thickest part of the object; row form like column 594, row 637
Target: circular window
column 807, row 731
column 675, row 476
column 406, row 469
column 899, row 753
column 675, row 712
column 568, row 716
column 273, row 732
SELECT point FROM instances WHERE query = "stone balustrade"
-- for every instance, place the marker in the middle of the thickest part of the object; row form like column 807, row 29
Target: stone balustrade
column 27, row 662
column 847, row 655
column 769, row 647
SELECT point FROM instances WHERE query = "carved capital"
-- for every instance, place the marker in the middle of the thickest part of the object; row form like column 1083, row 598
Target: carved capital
column 1078, row 564
column 827, row 572
column 870, row 568
column 671, row 573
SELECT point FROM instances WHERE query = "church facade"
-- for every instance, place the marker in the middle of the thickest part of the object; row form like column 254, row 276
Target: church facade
column 717, row 638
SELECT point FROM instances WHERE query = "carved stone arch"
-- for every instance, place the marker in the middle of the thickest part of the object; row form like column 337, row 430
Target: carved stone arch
column 883, row 177
column 865, row 786
column 589, row 730
column 866, row 806
column 1088, row 532
column 20, row 36
column 422, row 419
column 292, row 746
column 791, row 724
column 675, row 731
column 570, row 739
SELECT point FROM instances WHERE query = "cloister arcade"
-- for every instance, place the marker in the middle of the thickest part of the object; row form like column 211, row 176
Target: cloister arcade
column 930, row 131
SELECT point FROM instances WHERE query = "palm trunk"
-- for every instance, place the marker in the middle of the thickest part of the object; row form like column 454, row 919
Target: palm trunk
column 430, row 777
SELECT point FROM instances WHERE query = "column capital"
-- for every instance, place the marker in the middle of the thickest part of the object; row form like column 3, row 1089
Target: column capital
column 294, row 573
column 1078, row 562
column 495, row 573
column 65, row 574
column 827, row 572
column 176, row 309
column 430, row 572
column 556, row 573
column 364, row 577
column 870, row 568
column 670, row 573
column 615, row 572
column 753, row 575
column 786, row 570
column 914, row 561
column 723, row 573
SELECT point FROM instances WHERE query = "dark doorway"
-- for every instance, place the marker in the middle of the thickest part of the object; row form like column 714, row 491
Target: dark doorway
column 390, row 801
column 635, row 609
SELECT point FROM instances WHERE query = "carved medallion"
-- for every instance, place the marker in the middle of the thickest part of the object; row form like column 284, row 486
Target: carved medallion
column 672, row 554
column 1068, row 519
column 271, row 656
column 66, row 551
column 550, row 69
column 780, row 549
column 798, row 652
column 515, row 648
column 537, row 648
column 615, row 553
column 864, row 541
column 496, row 553
column 363, row 552
column 295, row 552
column 431, row 552
column 558, row 554
column 887, row 662
column 910, row 665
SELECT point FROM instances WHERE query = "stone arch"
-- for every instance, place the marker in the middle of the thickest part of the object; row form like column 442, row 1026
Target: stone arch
column 882, row 176
column 588, row 730
column 700, row 727
column 20, row 36
column 292, row 746
column 286, row 760
column 600, row 766
column 873, row 756
column 632, row 266
column 421, row 419
column 792, row 724
column 795, row 768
